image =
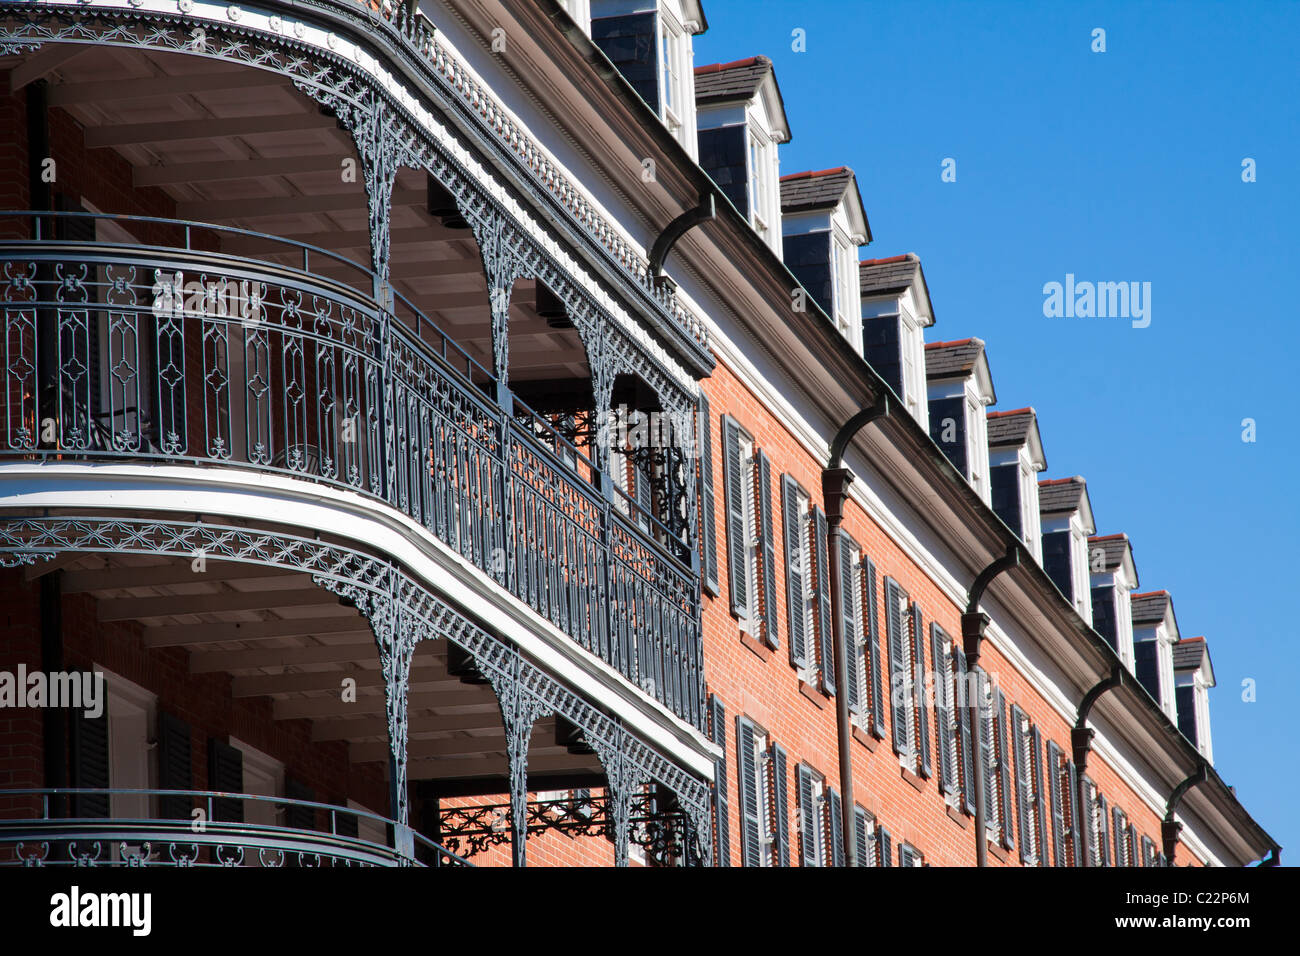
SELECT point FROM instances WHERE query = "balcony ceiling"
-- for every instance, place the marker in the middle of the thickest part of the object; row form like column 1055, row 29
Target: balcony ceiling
column 281, row 637
column 241, row 147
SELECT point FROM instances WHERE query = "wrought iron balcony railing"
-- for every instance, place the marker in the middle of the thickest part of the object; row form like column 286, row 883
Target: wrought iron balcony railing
column 167, row 352
column 71, row 827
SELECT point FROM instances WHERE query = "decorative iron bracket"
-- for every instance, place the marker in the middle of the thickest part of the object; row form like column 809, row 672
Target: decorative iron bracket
column 1169, row 827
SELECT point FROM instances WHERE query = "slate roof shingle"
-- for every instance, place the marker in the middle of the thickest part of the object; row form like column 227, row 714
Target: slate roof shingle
column 1113, row 547
column 737, row 80
column 1189, row 653
column 1010, row 428
column 1061, row 494
column 887, row 275
column 1149, row 608
column 815, row 190
column 952, row 359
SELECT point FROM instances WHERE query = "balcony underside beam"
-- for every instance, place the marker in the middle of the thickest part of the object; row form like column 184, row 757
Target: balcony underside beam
column 125, row 609
column 188, row 635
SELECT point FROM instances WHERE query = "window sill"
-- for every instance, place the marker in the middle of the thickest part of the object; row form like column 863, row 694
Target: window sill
column 913, row 779
column 996, row 851
column 812, row 693
column 864, row 738
column 957, row 816
column 754, row 644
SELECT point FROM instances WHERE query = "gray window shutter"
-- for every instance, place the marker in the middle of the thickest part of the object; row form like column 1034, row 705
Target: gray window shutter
column 807, row 818
column 897, row 664
column 1040, row 804
column 226, row 773
column 823, row 603
column 174, row 770
column 987, row 745
column 871, row 637
column 1004, row 772
column 836, row 829
column 1023, row 784
column 297, row 817
column 1148, row 852
column 1134, row 846
column 1077, row 832
column 905, row 855
column 853, row 655
column 1087, row 808
column 90, row 759
column 1058, row 811
column 733, row 467
column 781, row 814
column 1119, row 833
column 942, row 712
column 884, row 846
column 918, row 689
column 795, row 586
column 767, row 549
column 861, row 841
column 747, row 772
column 1103, row 848
column 962, row 704
column 721, row 825
column 708, row 516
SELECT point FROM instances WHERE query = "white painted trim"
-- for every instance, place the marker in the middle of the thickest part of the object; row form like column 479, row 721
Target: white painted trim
column 373, row 526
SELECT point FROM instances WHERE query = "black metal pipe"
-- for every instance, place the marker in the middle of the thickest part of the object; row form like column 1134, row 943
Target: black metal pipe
column 1169, row 827
column 835, row 479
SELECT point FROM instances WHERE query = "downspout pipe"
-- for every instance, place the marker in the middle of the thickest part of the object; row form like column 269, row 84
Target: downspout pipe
column 973, row 624
column 1081, row 735
column 1169, row 827
column 835, row 479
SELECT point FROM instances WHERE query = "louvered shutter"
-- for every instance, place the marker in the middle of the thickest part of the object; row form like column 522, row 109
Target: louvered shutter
column 823, row 603
column 962, row 703
column 1058, row 812
column 1084, row 827
column 836, row 810
column 90, row 759
column 884, row 846
column 734, row 478
column 174, row 768
column 1022, row 768
column 1004, row 771
column 751, row 848
column 992, row 805
column 225, row 773
column 1040, row 798
column 861, row 840
column 708, row 516
column 848, row 600
column 767, row 548
column 1103, row 848
column 1117, row 835
column 781, row 814
column 1076, row 837
column 1148, row 852
column 643, row 484
column 918, row 689
column 807, row 818
column 942, row 712
column 872, row 639
column 1133, row 846
column 898, row 699
column 795, row 585
column 721, row 825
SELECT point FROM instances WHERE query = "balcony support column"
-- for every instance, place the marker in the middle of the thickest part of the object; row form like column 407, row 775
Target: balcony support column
column 625, row 780
column 500, row 268
column 519, row 712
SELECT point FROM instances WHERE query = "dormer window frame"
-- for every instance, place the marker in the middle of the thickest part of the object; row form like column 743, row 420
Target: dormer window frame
column 912, row 357
column 1079, row 568
column 760, row 179
column 672, row 90
column 844, row 286
column 977, row 442
column 1030, row 516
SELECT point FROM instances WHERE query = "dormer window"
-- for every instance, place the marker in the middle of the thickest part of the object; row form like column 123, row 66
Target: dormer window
column 1155, row 632
column 1113, row 577
column 895, row 313
column 1015, row 458
column 960, row 386
column 1193, row 678
column 741, row 120
column 822, row 223
column 1066, row 516
column 649, row 41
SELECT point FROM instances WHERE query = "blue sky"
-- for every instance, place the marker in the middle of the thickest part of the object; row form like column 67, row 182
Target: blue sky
column 1116, row 166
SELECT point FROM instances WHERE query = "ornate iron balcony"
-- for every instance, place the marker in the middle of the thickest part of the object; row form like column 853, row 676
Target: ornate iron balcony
column 168, row 353
column 71, row 827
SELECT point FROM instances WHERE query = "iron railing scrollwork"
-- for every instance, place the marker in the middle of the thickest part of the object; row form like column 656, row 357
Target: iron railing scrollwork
column 224, row 830
column 168, row 353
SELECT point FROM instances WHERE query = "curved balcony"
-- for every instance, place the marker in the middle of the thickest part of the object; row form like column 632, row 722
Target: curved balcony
column 319, row 834
column 173, row 353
